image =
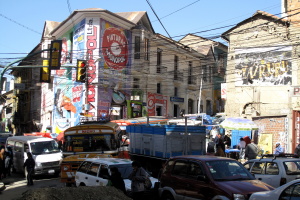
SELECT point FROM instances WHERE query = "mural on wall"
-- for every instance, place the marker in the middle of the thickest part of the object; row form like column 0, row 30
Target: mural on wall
column 155, row 101
column 68, row 94
column 264, row 66
column 114, row 66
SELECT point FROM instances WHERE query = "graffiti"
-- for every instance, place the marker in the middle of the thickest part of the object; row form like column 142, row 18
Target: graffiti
column 263, row 66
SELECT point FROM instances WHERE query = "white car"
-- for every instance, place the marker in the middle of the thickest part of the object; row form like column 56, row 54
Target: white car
column 290, row 190
column 95, row 172
column 275, row 170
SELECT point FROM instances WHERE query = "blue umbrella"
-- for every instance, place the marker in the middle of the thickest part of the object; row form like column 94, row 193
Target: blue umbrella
column 237, row 123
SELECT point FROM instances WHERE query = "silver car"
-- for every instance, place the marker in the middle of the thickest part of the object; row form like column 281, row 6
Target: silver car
column 275, row 170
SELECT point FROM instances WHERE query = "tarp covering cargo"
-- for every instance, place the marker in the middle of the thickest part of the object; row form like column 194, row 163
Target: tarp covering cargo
column 167, row 140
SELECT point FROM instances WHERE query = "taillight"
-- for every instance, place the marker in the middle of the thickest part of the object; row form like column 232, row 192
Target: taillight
column 282, row 181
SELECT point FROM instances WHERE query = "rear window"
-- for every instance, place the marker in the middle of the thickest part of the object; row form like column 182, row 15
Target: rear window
column 292, row 167
column 125, row 170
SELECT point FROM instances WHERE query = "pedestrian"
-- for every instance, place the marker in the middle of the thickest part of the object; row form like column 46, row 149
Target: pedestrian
column 29, row 164
column 220, row 146
column 247, row 139
column 211, row 147
column 214, row 132
column 297, row 150
column 2, row 162
column 117, row 180
column 241, row 147
column 251, row 150
column 278, row 149
column 138, row 177
column 227, row 140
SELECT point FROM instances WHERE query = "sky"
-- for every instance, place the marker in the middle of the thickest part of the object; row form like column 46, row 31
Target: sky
column 22, row 21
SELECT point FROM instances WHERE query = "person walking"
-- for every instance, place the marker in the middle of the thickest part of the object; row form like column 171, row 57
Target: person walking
column 138, row 177
column 117, row 180
column 220, row 146
column 227, row 141
column 211, row 147
column 29, row 164
column 242, row 146
column 251, row 150
column 278, row 149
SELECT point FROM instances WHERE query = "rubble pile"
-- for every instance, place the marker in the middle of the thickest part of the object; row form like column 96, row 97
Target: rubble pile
column 78, row 193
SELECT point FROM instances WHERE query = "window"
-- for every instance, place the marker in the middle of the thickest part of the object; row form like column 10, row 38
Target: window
column 175, row 92
column 180, row 168
column 158, row 64
column 272, row 168
column 93, row 169
column 175, row 67
column 104, row 172
column 158, row 88
column 84, row 167
column 136, row 83
column 18, row 147
column 292, row 167
column 137, row 47
column 195, row 170
column 257, row 168
column 146, row 50
column 292, row 192
column 190, row 72
column 205, row 73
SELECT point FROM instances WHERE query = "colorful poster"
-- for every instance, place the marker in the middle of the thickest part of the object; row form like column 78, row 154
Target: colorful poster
column 155, row 101
column 114, row 82
column 263, row 66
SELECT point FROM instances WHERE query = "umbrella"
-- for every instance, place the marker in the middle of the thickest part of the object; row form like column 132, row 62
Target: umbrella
column 236, row 123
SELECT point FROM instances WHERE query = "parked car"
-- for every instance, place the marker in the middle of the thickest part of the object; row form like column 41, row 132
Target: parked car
column 207, row 177
column 290, row 190
column 275, row 170
column 96, row 172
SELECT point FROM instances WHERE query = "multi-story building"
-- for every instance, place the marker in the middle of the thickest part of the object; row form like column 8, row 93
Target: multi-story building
column 262, row 75
column 130, row 71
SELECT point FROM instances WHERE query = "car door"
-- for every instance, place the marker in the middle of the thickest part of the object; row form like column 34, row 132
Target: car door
column 273, row 174
column 91, row 176
column 196, row 187
column 81, row 176
column 177, row 180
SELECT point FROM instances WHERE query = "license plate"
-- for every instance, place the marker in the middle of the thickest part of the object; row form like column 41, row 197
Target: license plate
column 51, row 171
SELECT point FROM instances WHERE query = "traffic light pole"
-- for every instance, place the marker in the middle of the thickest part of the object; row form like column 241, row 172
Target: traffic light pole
column 9, row 66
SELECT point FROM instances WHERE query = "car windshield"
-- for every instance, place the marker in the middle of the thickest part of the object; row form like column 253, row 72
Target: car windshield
column 228, row 170
column 292, row 167
column 44, row 147
column 125, row 170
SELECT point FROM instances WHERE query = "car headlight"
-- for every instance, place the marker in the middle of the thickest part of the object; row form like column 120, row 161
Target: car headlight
column 238, row 197
column 38, row 164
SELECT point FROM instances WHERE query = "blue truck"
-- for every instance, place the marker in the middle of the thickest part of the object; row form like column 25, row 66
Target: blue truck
column 152, row 145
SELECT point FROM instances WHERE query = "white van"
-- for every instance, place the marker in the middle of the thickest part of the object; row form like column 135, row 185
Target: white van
column 44, row 150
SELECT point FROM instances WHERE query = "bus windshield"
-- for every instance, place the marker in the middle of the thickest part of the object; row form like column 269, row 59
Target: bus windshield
column 90, row 142
column 44, row 147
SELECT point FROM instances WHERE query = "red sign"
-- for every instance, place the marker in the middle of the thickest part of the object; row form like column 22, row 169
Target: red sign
column 115, row 48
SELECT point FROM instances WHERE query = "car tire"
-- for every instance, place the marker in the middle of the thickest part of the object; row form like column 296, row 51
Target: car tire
column 167, row 196
column 82, row 184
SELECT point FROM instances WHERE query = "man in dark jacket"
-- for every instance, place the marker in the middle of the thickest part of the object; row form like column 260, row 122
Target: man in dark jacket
column 29, row 164
column 117, row 180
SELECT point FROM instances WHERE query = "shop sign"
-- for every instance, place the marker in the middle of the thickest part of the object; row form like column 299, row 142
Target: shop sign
column 176, row 99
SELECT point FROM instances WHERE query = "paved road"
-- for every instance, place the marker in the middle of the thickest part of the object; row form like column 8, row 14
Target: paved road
column 16, row 185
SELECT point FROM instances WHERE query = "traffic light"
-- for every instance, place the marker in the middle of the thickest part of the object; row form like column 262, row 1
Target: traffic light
column 81, row 70
column 45, row 72
column 55, row 54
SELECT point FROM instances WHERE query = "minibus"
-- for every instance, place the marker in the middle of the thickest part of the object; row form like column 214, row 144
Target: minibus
column 44, row 150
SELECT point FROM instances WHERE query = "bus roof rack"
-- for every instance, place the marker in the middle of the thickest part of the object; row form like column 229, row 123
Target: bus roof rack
column 91, row 120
